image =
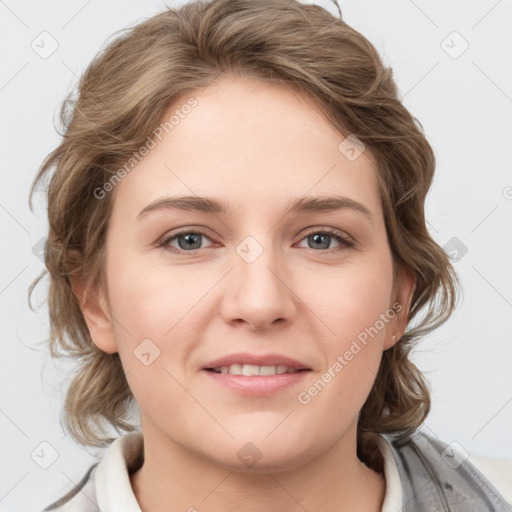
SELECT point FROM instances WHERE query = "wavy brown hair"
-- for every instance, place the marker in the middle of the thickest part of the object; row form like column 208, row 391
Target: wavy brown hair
column 121, row 99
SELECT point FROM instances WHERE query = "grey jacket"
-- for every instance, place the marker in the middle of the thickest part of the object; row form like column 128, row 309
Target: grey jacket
column 434, row 478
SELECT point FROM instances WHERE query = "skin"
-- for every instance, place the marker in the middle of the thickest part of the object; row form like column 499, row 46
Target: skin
column 255, row 146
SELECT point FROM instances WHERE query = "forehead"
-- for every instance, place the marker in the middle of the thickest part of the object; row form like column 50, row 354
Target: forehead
column 250, row 143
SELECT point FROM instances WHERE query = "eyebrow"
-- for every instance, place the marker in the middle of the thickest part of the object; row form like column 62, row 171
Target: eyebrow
column 303, row 205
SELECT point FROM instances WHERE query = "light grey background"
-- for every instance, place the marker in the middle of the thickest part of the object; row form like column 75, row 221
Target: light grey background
column 463, row 100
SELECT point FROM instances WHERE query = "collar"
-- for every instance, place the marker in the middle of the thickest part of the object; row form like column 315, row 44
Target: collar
column 112, row 478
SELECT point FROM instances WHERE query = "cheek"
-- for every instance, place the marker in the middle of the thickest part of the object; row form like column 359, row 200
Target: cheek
column 150, row 300
column 147, row 310
column 157, row 313
column 352, row 299
column 353, row 308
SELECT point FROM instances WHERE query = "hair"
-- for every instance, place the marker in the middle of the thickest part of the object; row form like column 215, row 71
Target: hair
column 122, row 98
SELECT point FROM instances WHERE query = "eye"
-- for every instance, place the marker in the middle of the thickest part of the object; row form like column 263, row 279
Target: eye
column 322, row 240
column 190, row 241
column 187, row 240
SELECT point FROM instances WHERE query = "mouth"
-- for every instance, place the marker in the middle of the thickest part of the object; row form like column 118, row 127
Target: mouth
column 255, row 364
column 250, row 370
column 256, row 375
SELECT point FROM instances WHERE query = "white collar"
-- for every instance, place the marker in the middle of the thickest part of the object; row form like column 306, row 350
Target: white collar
column 114, row 492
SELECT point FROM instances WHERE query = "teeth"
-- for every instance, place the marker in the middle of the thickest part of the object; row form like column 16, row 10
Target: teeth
column 235, row 369
column 281, row 369
column 268, row 370
column 251, row 369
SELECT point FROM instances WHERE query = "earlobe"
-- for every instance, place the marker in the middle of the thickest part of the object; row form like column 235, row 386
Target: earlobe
column 404, row 293
column 390, row 341
column 96, row 314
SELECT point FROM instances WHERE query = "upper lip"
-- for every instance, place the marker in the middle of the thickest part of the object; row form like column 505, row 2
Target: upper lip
column 257, row 360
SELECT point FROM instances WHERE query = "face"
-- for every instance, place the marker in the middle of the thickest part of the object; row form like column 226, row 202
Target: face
column 243, row 283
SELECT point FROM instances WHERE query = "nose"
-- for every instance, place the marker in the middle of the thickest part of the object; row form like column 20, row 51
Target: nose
column 259, row 293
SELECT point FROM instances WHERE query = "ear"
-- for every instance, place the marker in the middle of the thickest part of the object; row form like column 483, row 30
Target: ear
column 403, row 292
column 96, row 313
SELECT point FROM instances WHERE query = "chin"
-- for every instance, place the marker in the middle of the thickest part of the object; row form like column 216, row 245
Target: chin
column 265, row 465
column 262, row 456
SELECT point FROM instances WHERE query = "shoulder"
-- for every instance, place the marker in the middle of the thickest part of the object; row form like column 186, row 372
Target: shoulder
column 106, row 484
column 434, row 473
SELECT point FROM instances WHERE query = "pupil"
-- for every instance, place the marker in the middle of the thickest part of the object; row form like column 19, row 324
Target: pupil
column 190, row 243
column 317, row 237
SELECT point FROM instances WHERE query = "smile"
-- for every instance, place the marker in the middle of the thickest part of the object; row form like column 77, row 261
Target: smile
column 253, row 370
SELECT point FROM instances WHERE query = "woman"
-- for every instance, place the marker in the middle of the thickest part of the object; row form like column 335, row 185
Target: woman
column 238, row 252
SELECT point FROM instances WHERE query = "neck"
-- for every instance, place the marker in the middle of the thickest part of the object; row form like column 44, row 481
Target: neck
column 174, row 478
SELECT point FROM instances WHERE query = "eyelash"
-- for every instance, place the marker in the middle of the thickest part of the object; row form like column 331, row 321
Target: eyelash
column 345, row 242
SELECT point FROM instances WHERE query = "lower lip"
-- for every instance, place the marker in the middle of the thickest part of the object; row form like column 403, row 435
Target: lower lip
column 257, row 385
